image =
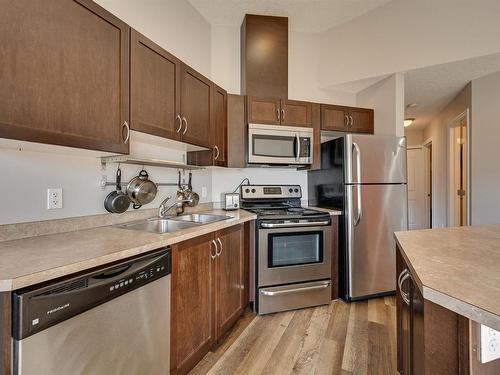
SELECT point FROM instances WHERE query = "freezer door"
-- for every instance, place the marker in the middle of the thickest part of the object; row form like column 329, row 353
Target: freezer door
column 373, row 214
column 374, row 159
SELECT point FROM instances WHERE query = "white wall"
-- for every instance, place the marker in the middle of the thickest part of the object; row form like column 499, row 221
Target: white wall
column 485, row 137
column 407, row 34
column 173, row 24
column 386, row 97
column 437, row 130
column 414, row 137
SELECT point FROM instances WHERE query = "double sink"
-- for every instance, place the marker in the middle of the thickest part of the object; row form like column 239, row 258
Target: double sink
column 173, row 224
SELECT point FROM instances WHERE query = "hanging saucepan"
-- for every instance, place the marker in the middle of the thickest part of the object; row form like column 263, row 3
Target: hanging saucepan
column 141, row 190
column 192, row 197
column 117, row 201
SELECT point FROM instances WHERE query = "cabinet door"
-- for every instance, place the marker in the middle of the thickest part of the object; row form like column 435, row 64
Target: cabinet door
column 403, row 313
column 361, row 120
column 334, row 117
column 154, row 89
column 296, row 113
column 230, row 282
column 220, row 127
column 196, row 107
column 64, row 74
column 263, row 110
column 192, row 302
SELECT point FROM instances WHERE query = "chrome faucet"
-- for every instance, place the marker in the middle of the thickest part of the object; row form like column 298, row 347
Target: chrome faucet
column 162, row 210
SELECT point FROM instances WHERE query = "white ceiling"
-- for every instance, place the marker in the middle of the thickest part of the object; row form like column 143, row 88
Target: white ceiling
column 434, row 87
column 304, row 15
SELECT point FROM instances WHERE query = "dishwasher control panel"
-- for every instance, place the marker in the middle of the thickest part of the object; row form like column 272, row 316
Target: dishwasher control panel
column 37, row 308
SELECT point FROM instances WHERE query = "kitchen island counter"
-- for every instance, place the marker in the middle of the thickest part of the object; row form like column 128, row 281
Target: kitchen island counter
column 457, row 268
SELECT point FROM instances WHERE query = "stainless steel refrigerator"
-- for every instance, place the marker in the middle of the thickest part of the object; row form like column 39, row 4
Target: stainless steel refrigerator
column 365, row 177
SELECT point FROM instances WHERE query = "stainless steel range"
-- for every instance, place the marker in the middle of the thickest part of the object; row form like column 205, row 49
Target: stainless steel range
column 293, row 249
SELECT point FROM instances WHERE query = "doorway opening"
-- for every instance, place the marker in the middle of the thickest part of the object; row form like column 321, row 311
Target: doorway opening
column 458, row 171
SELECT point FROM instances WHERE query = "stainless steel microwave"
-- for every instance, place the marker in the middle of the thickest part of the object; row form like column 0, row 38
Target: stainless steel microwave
column 276, row 144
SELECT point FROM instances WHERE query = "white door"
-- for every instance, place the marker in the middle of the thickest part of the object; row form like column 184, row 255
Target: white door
column 416, row 189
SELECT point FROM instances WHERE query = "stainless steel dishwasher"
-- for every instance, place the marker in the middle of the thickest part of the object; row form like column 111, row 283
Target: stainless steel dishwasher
column 115, row 320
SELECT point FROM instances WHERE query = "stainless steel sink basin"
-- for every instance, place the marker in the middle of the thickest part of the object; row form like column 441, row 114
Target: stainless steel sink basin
column 200, row 218
column 159, row 225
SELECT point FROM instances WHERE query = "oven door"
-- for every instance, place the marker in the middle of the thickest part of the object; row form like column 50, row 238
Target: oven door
column 290, row 255
column 279, row 145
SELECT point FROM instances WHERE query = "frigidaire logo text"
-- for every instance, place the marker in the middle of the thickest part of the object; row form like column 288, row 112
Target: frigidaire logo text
column 58, row 309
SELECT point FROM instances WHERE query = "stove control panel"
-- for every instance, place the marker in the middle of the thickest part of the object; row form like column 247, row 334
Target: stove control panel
column 270, row 191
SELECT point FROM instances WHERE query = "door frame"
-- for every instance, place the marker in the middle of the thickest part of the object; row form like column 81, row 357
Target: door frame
column 465, row 115
column 429, row 181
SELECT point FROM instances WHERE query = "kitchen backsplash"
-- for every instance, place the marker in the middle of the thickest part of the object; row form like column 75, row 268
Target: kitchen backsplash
column 31, row 173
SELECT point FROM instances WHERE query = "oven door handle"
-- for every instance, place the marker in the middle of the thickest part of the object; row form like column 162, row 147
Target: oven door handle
column 289, row 225
column 295, row 290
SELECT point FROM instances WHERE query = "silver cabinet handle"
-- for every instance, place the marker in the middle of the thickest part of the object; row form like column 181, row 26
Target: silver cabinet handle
column 352, row 120
column 294, row 290
column 186, row 124
column 346, row 122
column 220, row 243
column 213, row 256
column 403, row 276
column 178, row 118
column 288, row 225
column 282, row 115
column 278, row 114
column 216, row 148
column 126, row 126
column 355, row 147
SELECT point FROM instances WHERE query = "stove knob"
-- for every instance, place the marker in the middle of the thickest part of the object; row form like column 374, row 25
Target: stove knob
column 253, row 190
column 296, row 190
column 247, row 190
column 290, row 190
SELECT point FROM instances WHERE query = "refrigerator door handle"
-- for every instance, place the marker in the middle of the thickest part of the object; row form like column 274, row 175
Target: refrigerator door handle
column 357, row 219
column 355, row 147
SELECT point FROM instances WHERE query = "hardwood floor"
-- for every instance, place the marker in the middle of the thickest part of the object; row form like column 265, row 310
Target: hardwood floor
column 355, row 338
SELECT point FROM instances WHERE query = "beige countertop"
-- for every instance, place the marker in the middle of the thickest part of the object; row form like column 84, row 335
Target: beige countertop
column 32, row 260
column 457, row 268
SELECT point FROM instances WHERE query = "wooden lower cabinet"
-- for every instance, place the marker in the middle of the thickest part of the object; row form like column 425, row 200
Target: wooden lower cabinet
column 208, row 286
column 430, row 338
column 230, row 282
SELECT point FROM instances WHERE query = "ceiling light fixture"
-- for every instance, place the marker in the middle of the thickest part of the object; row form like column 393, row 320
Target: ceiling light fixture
column 412, row 105
column 408, row 121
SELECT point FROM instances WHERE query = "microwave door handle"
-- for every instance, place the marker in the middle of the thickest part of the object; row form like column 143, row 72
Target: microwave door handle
column 297, row 139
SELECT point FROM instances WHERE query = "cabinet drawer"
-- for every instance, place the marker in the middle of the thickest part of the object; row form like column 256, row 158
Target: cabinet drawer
column 295, row 296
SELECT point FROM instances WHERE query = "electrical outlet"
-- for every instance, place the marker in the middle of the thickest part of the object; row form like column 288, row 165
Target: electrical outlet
column 54, row 198
column 490, row 344
column 204, row 192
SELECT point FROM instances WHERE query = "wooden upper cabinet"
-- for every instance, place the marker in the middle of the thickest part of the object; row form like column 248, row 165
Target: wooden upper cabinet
column 263, row 110
column 334, row 117
column 346, row 119
column 154, row 89
column 264, row 56
column 361, row 120
column 64, row 74
column 196, row 107
column 296, row 113
column 220, row 127
column 230, row 281
column 192, row 302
